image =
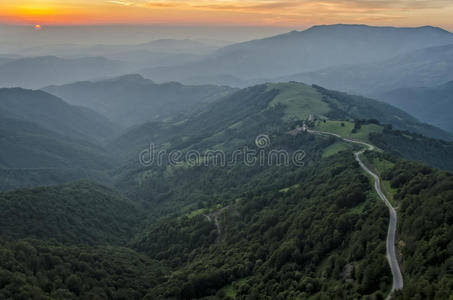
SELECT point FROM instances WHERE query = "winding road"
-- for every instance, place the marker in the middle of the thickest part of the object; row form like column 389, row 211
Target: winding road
column 390, row 244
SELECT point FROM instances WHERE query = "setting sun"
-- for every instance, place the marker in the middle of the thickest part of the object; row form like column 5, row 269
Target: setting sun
column 37, row 27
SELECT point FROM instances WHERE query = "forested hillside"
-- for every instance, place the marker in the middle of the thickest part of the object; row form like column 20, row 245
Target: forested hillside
column 27, row 145
column 79, row 213
column 35, row 269
column 312, row 228
column 52, row 113
column 310, row 234
column 16, row 178
column 424, row 199
column 275, row 109
column 434, row 152
column 345, row 106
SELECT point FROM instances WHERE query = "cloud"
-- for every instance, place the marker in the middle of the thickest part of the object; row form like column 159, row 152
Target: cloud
column 301, row 12
column 389, row 4
column 251, row 5
column 282, row 12
column 121, row 2
column 294, row 7
column 174, row 4
column 258, row 4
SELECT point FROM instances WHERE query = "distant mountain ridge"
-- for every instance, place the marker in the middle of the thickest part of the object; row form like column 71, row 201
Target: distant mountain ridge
column 313, row 49
column 39, row 130
column 179, row 46
column 36, row 72
column 27, row 145
column 429, row 104
column 54, row 114
column 424, row 67
column 131, row 99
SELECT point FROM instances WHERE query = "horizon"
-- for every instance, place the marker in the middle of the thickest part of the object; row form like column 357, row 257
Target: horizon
column 277, row 13
column 20, row 35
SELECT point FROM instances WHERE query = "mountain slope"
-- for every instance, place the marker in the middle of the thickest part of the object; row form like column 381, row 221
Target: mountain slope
column 290, row 234
column 75, row 213
column 53, row 114
column 131, row 100
column 430, row 104
column 245, row 230
column 315, row 48
column 27, row 145
column 286, row 231
column 74, row 272
column 36, row 72
column 234, row 124
column 251, row 111
column 213, row 125
column 14, row 178
column 424, row 202
column 356, row 107
column 425, row 67
column 436, row 153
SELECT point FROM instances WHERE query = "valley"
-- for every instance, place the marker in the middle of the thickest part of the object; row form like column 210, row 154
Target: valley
column 265, row 221
column 313, row 164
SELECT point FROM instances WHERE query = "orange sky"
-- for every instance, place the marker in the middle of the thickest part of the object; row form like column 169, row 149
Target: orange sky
column 229, row 12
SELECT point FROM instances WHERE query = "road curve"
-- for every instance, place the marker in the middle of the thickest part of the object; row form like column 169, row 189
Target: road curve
column 390, row 244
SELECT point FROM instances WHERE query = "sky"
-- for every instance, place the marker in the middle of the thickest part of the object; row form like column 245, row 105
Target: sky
column 269, row 13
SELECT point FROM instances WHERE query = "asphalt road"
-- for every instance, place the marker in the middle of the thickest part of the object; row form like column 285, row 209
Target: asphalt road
column 398, row 282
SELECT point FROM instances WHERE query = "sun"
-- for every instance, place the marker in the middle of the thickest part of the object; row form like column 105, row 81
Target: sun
column 37, row 27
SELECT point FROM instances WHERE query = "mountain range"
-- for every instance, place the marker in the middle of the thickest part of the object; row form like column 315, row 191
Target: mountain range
column 39, row 130
column 125, row 188
column 429, row 104
column 156, row 53
column 132, row 100
column 425, row 67
column 54, row 114
column 27, row 145
column 36, row 72
column 226, row 231
column 237, row 118
column 316, row 48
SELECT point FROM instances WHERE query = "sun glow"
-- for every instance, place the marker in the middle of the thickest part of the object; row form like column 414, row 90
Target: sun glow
column 37, row 27
column 227, row 12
